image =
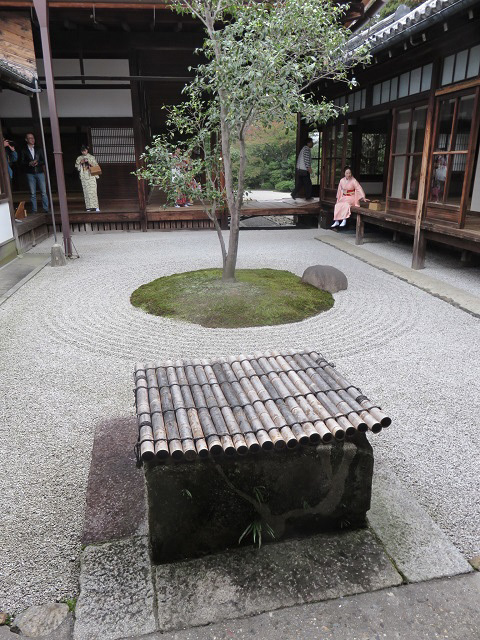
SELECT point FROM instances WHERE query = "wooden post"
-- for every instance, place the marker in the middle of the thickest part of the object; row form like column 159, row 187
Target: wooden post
column 360, row 231
column 42, row 14
column 472, row 142
column 419, row 241
column 138, row 137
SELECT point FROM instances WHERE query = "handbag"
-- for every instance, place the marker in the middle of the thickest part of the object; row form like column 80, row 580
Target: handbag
column 95, row 170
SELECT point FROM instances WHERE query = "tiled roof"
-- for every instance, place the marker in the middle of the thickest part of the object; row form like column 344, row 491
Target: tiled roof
column 18, row 73
column 237, row 405
column 402, row 21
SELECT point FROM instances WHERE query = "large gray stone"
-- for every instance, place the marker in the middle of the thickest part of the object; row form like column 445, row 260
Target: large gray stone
column 205, row 506
column 116, row 591
column 325, row 277
column 419, row 548
column 6, row 634
column 249, row 581
column 41, row 620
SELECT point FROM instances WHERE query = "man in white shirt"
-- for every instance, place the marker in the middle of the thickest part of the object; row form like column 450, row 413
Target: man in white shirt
column 33, row 162
column 304, row 170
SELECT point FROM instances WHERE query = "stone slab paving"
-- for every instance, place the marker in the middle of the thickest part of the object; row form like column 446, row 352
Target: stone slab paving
column 116, row 591
column 437, row 610
column 419, row 548
column 17, row 272
column 249, row 581
column 70, row 339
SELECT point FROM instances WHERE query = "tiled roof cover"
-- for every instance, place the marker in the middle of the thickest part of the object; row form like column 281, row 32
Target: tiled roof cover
column 269, row 401
column 18, row 72
column 400, row 22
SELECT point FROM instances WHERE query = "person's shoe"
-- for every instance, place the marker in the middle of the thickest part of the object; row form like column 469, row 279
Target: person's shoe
column 97, row 209
column 293, row 196
column 335, row 224
column 343, row 223
column 189, row 204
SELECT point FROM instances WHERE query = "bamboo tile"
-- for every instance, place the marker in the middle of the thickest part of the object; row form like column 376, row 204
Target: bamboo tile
column 193, row 408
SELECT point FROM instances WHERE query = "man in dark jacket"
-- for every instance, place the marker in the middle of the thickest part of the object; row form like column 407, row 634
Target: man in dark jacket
column 304, row 170
column 33, row 162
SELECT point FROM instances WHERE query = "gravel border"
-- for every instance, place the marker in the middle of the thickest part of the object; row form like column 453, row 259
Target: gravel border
column 70, row 339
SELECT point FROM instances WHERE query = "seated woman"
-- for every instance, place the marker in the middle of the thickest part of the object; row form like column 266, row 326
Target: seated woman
column 349, row 194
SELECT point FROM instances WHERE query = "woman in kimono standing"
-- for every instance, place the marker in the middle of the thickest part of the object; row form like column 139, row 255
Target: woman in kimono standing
column 89, row 182
column 349, row 194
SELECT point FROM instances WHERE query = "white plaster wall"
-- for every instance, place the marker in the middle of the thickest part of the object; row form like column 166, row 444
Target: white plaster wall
column 102, row 67
column 14, row 105
column 62, row 67
column 6, row 231
column 475, row 206
column 372, row 188
column 91, row 103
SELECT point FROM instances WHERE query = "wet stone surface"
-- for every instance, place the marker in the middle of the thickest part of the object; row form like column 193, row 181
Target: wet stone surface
column 250, row 581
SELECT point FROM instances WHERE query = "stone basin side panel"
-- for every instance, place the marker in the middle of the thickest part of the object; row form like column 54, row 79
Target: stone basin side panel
column 203, row 507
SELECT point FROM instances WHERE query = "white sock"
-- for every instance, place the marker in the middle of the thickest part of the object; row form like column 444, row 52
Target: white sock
column 343, row 223
column 335, row 224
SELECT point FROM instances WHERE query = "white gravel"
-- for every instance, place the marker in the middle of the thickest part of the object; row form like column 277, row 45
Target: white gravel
column 440, row 261
column 70, row 339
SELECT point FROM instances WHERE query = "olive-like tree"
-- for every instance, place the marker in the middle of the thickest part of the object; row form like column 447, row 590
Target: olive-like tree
column 263, row 61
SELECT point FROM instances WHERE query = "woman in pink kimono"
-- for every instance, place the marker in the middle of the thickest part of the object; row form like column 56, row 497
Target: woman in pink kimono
column 349, row 194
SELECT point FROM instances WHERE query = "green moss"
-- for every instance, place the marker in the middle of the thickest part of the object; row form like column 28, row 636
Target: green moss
column 259, row 297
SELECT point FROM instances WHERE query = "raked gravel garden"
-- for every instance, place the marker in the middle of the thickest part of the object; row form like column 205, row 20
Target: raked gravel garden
column 70, row 339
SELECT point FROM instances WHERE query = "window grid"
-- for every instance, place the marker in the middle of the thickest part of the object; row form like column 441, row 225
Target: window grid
column 461, row 65
column 402, row 86
column 113, row 145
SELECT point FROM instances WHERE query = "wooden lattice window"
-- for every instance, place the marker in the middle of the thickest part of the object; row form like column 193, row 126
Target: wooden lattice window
column 113, row 145
column 409, row 134
column 452, row 136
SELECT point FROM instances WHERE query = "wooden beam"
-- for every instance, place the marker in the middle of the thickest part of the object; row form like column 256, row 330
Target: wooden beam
column 461, row 86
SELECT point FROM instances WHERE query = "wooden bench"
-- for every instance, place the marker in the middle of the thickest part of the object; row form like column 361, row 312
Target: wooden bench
column 382, row 219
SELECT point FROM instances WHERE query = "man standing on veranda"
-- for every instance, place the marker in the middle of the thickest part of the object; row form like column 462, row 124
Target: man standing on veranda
column 304, row 169
column 33, row 162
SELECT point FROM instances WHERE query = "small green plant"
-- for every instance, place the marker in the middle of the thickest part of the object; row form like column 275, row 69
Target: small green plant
column 5, row 619
column 258, row 493
column 256, row 528
column 187, row 494
column 71, row 604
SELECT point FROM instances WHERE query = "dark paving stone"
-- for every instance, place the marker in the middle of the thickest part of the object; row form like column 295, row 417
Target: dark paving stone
column 115, row 494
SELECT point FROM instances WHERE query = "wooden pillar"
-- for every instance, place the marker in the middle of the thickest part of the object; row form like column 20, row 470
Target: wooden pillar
column 42, row 14
column 138, row 136
column 419, row 241
column 472, row 144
